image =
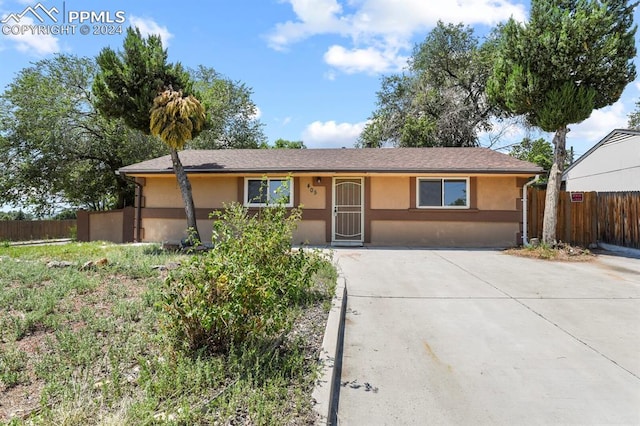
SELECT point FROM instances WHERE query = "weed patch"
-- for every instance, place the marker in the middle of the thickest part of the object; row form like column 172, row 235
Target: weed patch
column 87, row 347
column 559, row 252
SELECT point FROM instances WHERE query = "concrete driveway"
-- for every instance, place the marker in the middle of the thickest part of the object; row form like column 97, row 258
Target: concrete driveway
column 480, row 337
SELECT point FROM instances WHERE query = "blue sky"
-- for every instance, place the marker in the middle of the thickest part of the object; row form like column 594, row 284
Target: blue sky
column 314, row 65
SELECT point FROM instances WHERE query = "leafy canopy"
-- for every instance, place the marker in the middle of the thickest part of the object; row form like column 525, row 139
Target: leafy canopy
column 231, row 114
column 537, row 151
column 287, row 144
column 440, row 100
column 56, row 149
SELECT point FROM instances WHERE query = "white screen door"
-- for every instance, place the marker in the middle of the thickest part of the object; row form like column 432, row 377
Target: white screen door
column 348, row 211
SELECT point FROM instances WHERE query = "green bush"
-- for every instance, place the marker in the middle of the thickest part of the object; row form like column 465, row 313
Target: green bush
column 241, row 289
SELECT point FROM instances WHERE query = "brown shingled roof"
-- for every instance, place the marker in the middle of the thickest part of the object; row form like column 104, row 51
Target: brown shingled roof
column 391, row 160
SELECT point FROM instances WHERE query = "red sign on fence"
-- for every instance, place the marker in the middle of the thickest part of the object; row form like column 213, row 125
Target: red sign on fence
column 577, row 197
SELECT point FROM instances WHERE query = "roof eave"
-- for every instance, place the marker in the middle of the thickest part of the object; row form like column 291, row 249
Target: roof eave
column 333, row 171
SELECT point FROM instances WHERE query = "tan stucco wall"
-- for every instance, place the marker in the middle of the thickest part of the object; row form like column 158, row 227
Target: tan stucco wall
column 310, row 232
column 444, row 234
column 208, row 191
column 173, row 230
column 312, row 196
column 102, row 227
column 390, row 192
column 492, row 193
column 497, row 193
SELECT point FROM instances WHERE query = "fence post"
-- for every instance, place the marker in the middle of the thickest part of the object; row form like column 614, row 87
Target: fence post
column 83, row 225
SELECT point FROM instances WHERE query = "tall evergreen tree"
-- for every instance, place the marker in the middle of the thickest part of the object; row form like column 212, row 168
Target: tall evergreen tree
column 573, row 56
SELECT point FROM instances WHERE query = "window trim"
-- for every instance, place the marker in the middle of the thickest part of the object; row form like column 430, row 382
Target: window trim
column 443, row 179
column 246, row 202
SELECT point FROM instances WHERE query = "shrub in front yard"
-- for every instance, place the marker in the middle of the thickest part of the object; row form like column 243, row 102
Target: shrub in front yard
column 243, row 288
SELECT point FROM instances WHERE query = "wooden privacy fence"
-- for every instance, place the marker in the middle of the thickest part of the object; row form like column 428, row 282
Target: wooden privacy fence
column 586, row 218
column 25, row 230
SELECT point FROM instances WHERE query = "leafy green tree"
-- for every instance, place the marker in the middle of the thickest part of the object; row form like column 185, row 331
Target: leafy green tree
column 573, row 56
column 16, row 215
column 56, row 149
column 287, row 144
column 537, row 151
column 634, row 118
column 440, row 100
column 128, row 83
column 231, row 114
column 66, row 215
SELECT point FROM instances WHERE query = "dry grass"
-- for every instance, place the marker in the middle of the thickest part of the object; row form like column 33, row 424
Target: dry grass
column 85, row 346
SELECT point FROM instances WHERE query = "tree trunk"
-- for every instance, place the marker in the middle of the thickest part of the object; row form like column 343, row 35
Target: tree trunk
column 187, row 197
column 550, row 221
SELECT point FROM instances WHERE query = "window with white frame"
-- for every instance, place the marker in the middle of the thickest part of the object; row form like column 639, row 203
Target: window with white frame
column 261, row 192
column 451, row 193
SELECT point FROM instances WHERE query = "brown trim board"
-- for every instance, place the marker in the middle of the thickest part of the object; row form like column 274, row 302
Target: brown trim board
column 425, row 215
column 370, row 215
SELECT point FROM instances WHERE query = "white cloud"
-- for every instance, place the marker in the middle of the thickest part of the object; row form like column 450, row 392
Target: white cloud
column 148, row 26
column 369, row 60
column 33, row 43
column 380, row 29
column 315, row 17
column 331, row 134
column 598, row 125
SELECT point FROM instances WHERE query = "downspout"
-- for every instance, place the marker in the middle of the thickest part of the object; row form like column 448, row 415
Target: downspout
column 525, row 240
column 137, row 203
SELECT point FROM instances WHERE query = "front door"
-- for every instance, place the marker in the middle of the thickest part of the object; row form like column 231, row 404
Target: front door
column 348, row 212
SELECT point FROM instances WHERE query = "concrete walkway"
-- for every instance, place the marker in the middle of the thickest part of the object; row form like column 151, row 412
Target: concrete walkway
column 479, row 337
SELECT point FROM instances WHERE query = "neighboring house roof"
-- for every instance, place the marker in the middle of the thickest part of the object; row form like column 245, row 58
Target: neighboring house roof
column 615, row 136
column 391, row 160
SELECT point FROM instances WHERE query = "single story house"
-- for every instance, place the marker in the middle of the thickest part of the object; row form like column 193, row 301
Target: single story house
column 611, row 165
column 436, row 197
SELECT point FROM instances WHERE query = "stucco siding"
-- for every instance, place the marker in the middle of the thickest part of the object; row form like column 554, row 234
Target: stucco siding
column 497, row 193
column 208, row 192
column 312, row 196
column 444, row 234
column 390, row 213
column 173, row 230
column 390, row 192
column 310, row 232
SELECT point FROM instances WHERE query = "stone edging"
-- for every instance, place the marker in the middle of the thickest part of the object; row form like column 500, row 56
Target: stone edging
column 330, row 358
